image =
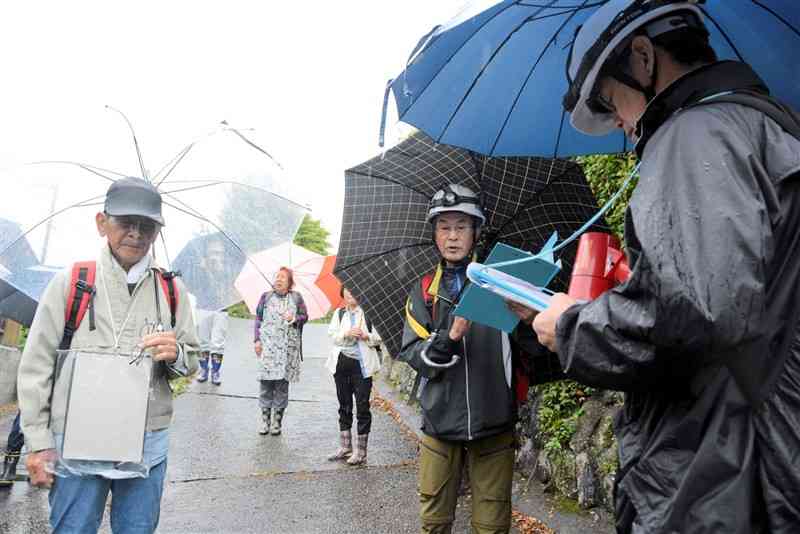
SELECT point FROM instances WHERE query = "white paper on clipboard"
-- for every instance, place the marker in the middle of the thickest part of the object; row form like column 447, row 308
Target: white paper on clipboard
column 509, row 287
column 106, row 411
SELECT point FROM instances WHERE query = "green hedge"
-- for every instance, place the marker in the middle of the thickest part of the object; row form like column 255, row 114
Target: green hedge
column 561, row 402
column 605, row 174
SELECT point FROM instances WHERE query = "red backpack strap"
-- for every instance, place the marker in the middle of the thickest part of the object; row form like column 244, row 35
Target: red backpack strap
column 425, row 284
column 171, row 291
column 81, row 297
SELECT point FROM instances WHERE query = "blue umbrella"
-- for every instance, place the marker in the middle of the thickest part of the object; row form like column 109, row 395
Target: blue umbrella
column 492, row 81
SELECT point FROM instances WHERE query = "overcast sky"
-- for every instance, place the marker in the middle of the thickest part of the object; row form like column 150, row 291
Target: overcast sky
column 308, row 76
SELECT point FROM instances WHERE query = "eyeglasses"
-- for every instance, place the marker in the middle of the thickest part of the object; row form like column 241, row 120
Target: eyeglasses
column 459, row 229
column 129, row 223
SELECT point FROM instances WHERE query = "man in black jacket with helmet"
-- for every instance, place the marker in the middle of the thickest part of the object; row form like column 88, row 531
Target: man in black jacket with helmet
column 466, row 397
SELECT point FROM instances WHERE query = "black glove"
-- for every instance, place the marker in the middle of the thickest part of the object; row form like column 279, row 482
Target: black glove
column 442, row 348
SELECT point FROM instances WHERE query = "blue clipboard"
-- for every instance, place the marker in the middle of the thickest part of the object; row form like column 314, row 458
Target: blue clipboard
column 483, row 301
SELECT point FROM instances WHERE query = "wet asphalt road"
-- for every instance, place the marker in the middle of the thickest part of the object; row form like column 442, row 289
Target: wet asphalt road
column 224, row 477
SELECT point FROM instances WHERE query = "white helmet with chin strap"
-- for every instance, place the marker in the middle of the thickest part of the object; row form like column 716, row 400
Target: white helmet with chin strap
column 604, row 39
column 455, row 197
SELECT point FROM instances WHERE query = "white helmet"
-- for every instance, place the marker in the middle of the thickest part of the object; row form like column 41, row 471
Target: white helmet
column 455, row 197
column 605, row 36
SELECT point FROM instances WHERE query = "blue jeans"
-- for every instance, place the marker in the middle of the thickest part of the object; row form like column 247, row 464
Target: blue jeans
column 77, row 503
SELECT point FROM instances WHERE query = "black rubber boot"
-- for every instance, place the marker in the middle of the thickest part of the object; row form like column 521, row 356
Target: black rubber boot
column 9, row 469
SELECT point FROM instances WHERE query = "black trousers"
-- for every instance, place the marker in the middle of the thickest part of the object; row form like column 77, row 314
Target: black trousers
column 349, row 383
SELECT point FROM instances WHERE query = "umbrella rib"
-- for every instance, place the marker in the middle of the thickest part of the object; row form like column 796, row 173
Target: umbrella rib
column 188, row 211
column 252, row 144
column 575, row 6
column 85, row 166
column 378, row 255
column 499, row 12
column 311, row 293
column 478, row 174
column 190, row 188
column 496, row 234
column 386, row 179
column 560, row 130
column 135, row 142
column 724, row 35
column 230, row 182
column 530, row 73
column 497, row 50
column 181, row 153
column 38, row 224
column 164, row 244
column 170, row 193
column 777, row 16
column 174, row 163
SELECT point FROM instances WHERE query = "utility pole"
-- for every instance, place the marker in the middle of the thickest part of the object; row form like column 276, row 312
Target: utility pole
column 49, row 226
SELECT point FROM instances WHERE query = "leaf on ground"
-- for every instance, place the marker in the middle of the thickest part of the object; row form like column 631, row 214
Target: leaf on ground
column 529, row 525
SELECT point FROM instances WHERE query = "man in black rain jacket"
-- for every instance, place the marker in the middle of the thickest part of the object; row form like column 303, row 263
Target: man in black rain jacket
column 467, row 402
column 703, row 337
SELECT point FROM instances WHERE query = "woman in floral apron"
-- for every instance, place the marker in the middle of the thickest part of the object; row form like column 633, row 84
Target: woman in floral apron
column 280, row 317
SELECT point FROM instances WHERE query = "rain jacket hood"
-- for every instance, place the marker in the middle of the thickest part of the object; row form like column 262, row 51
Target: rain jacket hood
column 712, row 239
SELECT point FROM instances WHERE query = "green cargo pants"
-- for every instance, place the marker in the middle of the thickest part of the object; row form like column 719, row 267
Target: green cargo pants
column 491, row 466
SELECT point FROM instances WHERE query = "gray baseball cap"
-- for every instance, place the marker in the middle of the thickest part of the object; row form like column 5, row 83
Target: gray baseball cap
column 134, row 196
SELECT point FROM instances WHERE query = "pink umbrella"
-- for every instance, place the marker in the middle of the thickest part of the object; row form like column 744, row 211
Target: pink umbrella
column 251, row 283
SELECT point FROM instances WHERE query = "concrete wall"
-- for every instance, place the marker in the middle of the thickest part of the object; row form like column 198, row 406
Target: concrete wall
column 9, row 362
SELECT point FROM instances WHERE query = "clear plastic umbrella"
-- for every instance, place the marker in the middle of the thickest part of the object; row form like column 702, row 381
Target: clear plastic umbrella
column 222, row 201
column 22, row 279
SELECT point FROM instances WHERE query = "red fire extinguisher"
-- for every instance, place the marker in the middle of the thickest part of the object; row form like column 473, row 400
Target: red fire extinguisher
column 600, row 264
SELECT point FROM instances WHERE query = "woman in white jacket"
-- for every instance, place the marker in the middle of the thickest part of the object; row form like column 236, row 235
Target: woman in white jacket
column 352, row 361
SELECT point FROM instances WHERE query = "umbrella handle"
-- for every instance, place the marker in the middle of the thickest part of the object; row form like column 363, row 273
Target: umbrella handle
column 454, row 359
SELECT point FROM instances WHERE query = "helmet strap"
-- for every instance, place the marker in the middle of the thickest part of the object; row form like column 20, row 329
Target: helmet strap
column 649, row 92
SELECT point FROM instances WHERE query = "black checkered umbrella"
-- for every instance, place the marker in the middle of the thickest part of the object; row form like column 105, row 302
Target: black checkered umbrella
column 386, row 245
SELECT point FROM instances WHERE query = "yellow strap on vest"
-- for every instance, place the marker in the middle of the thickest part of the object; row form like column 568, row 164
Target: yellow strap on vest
column 414, row 324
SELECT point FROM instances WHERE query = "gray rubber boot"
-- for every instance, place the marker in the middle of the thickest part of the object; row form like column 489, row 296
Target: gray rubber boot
column 360, row 453
column 266, row 415
column 345, row 446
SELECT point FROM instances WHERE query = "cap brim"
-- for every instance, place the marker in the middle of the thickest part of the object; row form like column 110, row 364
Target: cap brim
column 122, row 211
